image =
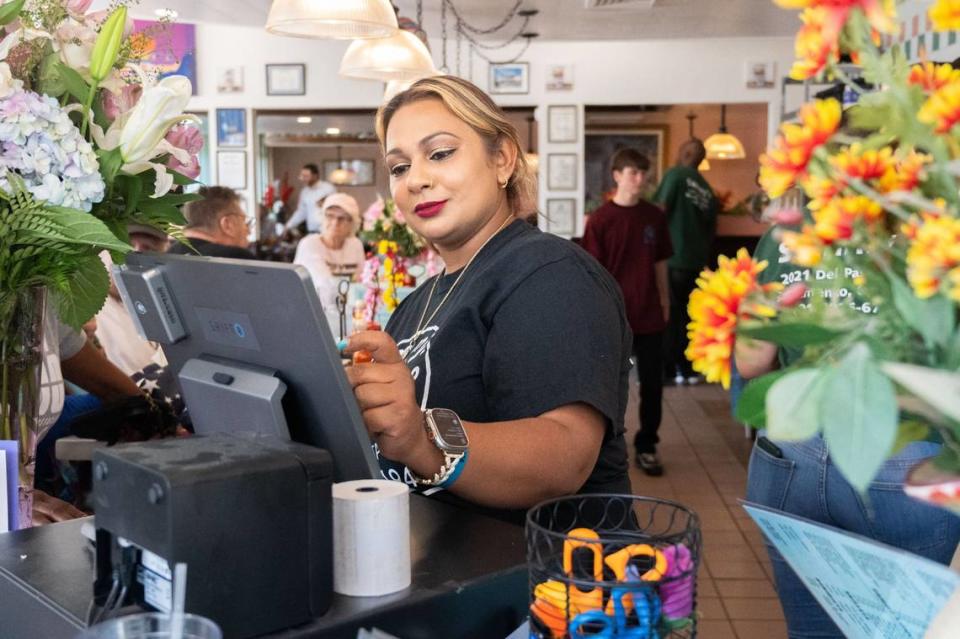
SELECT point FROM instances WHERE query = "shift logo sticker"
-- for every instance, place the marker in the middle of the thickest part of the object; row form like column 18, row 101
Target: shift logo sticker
column 415, row 351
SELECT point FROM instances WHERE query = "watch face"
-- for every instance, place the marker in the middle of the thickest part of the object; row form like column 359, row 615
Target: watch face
column 451, row 431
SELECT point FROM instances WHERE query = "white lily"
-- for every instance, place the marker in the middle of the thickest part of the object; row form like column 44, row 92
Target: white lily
column 159, row 108
column 139, row 133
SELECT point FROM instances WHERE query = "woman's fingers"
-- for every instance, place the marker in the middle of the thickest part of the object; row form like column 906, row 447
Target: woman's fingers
column 379, row 344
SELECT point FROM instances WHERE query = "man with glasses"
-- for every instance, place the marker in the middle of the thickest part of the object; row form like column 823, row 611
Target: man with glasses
column 216, row 226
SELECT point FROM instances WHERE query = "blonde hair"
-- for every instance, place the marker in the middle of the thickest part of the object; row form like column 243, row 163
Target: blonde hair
column 475, row 108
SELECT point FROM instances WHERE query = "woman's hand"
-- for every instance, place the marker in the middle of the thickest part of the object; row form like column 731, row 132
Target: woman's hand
column 50, row 510
column 387, row 397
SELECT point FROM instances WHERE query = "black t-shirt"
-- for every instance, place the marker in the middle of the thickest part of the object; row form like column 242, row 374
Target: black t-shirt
column 210, row 249
column 534, row 324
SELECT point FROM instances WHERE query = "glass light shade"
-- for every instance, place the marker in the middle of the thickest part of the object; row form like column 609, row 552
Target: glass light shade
column 340, row 176
column 402, row 56
column 704, row 166
column 339, row 19
column 724, row 146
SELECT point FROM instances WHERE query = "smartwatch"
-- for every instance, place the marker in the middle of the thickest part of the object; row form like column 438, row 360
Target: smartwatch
column 446, row 431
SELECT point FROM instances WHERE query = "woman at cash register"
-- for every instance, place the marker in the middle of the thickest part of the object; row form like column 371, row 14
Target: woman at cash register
column 502, row 381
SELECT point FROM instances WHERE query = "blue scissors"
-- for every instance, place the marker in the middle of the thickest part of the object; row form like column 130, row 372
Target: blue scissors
column 594, row 624
column 645, row 603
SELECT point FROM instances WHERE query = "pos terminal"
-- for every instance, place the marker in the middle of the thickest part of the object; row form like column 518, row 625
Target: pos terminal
column 246, row 502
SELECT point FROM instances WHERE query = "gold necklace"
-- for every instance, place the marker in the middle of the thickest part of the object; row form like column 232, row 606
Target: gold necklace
column 422, row 324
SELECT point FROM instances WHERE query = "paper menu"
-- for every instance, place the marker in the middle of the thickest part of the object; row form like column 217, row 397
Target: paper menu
column 870, row 590
column 9, row 502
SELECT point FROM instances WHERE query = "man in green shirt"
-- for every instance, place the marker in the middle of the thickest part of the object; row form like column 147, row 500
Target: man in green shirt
column 692, row 216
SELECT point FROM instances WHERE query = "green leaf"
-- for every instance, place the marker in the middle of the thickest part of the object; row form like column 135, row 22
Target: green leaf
column 73, row 81
column 110, row 163
column 911, row 430
column 938, row 388
column 181, row 179
column 10, row 11
column 76, row 227
column 751, row 407
column 858, row 410
column 51, row 81
column 86, row 292
column 130, row 189
column 790, row 334
column 934, row 318
column 793, row 405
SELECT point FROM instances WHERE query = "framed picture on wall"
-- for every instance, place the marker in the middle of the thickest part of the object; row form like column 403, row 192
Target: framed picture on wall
column 510, row 78
column 562, row 171
column 361, row 171
column 232, row 169
column 562, row 216
column 562, row 123
column 286, row 79
column 599, row 147
column 232, row 127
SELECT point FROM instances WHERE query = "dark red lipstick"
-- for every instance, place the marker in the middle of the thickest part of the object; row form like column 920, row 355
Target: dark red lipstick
column 429, row 209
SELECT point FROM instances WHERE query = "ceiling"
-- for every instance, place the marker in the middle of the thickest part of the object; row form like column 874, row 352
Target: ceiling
column 557, row 20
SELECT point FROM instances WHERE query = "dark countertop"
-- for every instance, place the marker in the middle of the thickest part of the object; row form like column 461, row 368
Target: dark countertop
column 469, row 580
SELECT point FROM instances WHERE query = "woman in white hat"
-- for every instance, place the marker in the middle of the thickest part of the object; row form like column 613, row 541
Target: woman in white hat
column 336, row 251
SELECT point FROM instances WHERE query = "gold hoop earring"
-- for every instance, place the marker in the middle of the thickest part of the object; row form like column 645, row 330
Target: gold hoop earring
column 504, row 184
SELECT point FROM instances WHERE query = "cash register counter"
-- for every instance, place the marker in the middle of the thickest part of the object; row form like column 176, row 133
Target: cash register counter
column 469, row 580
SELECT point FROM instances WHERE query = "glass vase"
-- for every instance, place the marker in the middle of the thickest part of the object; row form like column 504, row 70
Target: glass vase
column 21, row 361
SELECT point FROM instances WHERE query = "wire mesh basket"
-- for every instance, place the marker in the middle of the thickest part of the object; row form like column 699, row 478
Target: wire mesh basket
column 612, row 567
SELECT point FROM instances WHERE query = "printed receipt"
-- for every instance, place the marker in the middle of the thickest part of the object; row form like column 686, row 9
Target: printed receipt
column 871, row 591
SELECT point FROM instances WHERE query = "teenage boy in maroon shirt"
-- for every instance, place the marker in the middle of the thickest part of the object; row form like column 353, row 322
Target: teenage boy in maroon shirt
column 631, row 239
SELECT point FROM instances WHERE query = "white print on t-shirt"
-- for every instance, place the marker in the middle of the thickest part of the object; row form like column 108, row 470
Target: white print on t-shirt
column 420, row 343
column 697, row 194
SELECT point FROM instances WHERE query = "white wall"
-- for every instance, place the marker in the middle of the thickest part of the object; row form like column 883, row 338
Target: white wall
column 605, row 73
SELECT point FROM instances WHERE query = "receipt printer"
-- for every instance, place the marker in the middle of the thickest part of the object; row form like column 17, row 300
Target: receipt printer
column 251, row 518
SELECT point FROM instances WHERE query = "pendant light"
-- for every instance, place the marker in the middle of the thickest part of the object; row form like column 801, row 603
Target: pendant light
column 723, row 145
column 340, row 175
column 533, row 159
column 402, row 56
column 705, row 165
column 339, row 19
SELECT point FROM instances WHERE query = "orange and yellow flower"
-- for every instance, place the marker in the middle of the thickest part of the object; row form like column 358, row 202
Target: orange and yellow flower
column 715, row 307
column 931, row 77
column 933, row 258
column 837, row 220
column 945, row 15
column 942, row 108
column 786, row 161
column 804, row 247
column 818, row 41
column 905, row 175
column 821, row 190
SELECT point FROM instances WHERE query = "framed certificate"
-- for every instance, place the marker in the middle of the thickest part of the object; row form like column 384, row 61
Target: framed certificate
column 232, row 169
column 562, row 123
column 562, row 171
column 286, row 79
column 562, row 216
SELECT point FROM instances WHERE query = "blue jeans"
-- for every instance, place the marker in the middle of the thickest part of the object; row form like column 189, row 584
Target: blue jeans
column 805, row 482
